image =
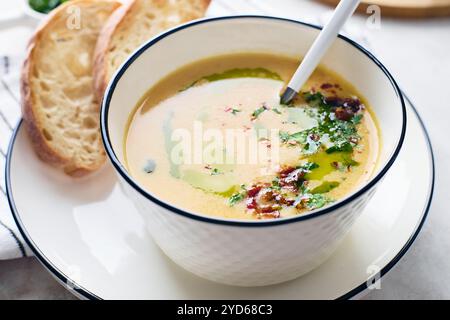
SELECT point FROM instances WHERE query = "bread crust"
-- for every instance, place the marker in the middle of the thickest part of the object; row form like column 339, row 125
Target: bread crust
column 101, row 50
column 43, row 149
column 116, row 21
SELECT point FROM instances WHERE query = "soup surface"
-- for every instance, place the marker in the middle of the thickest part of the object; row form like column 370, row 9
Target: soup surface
column 213, row 138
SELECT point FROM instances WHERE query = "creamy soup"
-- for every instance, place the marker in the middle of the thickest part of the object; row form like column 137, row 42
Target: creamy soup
column 212, row 138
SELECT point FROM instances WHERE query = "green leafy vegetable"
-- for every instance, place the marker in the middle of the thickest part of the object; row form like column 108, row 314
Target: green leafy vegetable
column 295, row 137
column 308, row 166
column 357, row 118
column 342, row 147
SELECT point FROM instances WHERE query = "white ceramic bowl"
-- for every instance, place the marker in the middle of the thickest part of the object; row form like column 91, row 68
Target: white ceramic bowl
column 248, row 253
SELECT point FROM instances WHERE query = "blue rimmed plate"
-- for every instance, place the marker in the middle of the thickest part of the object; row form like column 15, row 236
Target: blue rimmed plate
column 88, row 235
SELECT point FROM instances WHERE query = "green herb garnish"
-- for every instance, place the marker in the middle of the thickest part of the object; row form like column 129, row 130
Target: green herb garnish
column 237, row 197
column 357, row 118
column 308, row 166
column 258, row 111
column 45, row 6
column 215, row 172
column 234, row 111
column 316, row 201
column 276, row 110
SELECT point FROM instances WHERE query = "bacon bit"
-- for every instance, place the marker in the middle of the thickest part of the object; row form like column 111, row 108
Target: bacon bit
column 314, row 137
column 285, row 172
column 290, row 177
column 353, row 140
column 251, row 204
column 253, row 191
column 335, row 164
column 333, row 101
column 269, row 208
column 344, row 114
column 326, row 86
column 270, row 215
column 288, row 202
column 267, row 195
column 354, row 104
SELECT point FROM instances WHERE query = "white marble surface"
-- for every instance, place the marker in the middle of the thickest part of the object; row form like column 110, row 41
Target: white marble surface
column 417, row 54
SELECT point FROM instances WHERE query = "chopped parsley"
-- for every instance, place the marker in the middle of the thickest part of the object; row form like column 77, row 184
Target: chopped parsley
column 276, row 110
column 331, row 134
column 316, row 201
column 357, row 119
column 258, row 111
column 235, row 111
column 237, row 196
column 215, row 172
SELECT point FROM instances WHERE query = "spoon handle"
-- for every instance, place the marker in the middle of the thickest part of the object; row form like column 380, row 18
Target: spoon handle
column 320, row 46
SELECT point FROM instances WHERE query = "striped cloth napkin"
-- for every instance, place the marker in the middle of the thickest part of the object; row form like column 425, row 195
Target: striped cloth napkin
column 11, row 242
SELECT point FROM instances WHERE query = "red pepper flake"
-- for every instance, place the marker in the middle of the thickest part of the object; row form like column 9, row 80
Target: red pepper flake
column 326, row 86
column 228, row 109
column 253, row 191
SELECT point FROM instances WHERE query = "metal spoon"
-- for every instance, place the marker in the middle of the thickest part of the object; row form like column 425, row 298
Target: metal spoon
column 320, row 46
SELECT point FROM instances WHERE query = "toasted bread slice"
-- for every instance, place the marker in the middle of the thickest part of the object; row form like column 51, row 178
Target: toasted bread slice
column 58, row 104
column 132, row 25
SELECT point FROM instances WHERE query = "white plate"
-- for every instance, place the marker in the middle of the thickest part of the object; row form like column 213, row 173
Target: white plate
column 88, row 234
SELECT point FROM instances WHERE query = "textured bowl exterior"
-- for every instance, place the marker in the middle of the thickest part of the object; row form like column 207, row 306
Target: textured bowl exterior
column 247, row 255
